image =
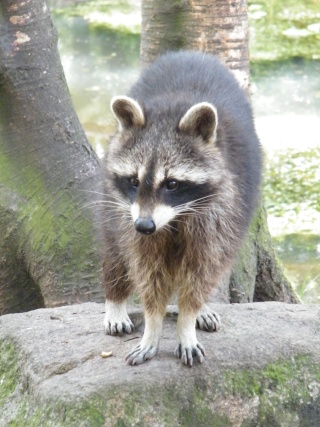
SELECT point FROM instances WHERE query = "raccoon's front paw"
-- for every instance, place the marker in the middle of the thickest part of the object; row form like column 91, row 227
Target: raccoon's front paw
column 208, row 320
column 117, row 321
column 125, row 326
column 187, row 353
column 141, row 353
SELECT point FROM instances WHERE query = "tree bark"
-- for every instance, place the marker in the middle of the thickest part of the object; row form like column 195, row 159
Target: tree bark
column 50, row 245
column 220, row 27
column 215, row 26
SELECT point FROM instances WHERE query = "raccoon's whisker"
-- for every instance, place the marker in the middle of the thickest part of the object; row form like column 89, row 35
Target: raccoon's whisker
column 204, row 198
column 192, row 211
column 120, row 200
column 95, row 192
column 196, row 206
column 118, row 215
column 110, row 203
column 209, row 196
column 185, row 223
column 194, row 202
column 169, row 227
column 113, row 218
column 101, row 204
column 117, row 211
column 106, row 203
column 104, row 194
column 125, row 216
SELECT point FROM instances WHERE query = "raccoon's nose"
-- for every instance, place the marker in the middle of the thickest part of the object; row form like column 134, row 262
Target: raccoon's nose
column 145, row 225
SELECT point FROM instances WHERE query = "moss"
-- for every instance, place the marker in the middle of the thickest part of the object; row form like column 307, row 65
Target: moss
column 198, row 413
column 245, row 383
column 283, row 388
column 58, row 414
column 54, row 227
column 9, row 372
column 281, row 391
column 243, row 278
column 94, row 417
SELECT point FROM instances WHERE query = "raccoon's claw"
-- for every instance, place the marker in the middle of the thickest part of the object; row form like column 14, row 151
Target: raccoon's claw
column 117, row 321
column 141, row 353
column 185, row 354
column 208, row 320
column 118, row 328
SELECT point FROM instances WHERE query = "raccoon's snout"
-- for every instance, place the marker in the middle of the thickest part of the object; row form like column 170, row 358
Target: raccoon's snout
column 145, row 225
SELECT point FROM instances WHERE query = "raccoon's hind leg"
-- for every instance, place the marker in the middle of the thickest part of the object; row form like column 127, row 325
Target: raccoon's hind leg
column 208, row 320
column 118, row 289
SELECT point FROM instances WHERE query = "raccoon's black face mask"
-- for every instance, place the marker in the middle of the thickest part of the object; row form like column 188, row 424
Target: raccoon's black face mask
column 161, row 176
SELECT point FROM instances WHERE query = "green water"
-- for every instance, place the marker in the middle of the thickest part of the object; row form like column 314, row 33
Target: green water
column 102, row 60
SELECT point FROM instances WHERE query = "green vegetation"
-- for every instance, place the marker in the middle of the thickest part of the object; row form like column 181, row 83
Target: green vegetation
column 300, row 253
column 48, row 226
column 282, row 390
column 277, row 378
column 118, row 15
column 291, row 191
column 280, row 30
column 292, row 180
column 291, row 28
column 8, row 370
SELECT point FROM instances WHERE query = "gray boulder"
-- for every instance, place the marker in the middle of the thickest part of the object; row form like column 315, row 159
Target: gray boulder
column 262, row 369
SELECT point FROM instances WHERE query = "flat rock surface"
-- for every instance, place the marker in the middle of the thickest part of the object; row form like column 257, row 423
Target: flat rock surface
column 59, row 349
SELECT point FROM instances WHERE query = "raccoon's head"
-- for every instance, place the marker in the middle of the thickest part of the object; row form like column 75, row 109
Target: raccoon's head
column 164, row 165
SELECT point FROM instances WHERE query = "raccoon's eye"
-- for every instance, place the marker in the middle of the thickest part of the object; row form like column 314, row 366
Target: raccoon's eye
column 134, row 182
column 172, row 184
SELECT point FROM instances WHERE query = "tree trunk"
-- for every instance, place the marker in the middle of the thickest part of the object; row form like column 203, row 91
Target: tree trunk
column 220, row 27
column 215, row 26
column 49, row 236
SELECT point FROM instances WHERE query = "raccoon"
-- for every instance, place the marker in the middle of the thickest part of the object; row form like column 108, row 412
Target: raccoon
column 182, row 182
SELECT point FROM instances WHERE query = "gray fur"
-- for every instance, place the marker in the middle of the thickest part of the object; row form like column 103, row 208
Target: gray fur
column 187, row 159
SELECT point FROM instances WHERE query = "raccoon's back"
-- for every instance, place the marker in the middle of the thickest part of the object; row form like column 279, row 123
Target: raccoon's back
column 188, row 76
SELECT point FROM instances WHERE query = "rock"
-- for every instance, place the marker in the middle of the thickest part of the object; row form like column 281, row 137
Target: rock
column 262, row 369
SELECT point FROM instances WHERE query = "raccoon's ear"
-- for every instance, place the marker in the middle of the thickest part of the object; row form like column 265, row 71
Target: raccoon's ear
column 127, row 111
column 200, row 120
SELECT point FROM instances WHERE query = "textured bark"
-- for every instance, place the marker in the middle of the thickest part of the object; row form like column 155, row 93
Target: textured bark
column 215, row 26
column 49, row 246
column 258, row 276
column 220, row 27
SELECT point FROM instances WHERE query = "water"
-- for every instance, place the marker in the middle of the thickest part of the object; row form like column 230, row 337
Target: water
column 286, row 99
